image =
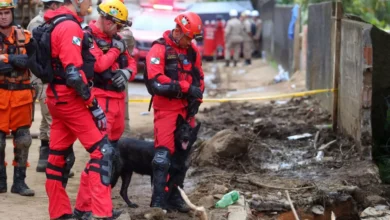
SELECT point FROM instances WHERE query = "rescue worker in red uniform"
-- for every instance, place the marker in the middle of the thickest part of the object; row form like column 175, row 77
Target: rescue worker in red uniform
column 113, row 70
column 175, row 78
column 16, row 98
column 76, row 114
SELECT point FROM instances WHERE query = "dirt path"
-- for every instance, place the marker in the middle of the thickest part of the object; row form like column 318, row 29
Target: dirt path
column 16, row 207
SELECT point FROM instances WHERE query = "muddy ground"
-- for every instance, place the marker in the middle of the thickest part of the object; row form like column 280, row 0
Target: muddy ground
column 273, row 163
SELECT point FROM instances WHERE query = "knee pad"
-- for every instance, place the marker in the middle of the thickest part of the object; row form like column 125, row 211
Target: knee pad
column 22, row 138
column 105, row 162
column 69, row 158
column 22, row 141
column 161, row 160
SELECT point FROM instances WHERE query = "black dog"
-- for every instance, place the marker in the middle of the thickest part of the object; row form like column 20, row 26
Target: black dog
column 137, row 155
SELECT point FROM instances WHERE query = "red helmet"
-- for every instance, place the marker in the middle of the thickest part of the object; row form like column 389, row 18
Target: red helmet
column 190, row 23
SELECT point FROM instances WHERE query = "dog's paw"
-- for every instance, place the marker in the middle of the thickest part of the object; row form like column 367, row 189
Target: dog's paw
column 132, row 205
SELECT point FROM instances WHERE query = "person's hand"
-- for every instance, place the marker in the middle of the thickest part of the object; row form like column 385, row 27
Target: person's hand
column 119, row 44
column 120, row 79
column 193, row 107
column 98, row 115
column 195, row 92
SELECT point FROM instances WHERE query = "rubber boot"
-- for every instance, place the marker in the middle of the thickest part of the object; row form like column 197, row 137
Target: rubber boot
column 176, row 202
column 43, row 156
column 3, row 170
column 227, row 63
column 19, row 186
column 235, row 63
column 66, row 216
column 86, row 215
column 3, row 178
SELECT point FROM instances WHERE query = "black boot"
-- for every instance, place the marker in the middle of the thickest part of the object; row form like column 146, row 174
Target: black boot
column 176, row 202
column 3, row 178
column 66, row 216
column 235, row 63
column 227, row 63
column 3, row 170
column 81, row 215
column 160, row 164
column 19, row 186
column 43, row 156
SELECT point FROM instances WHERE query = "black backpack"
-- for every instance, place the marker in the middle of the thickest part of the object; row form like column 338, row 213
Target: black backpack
column 39, row 52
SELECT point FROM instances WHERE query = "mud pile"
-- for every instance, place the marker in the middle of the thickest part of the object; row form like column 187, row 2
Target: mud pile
column 268, row 128
column 291, row 145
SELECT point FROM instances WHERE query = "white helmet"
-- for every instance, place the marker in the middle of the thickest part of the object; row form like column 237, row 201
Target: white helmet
column 206, row 22
column 246, row 13
column 60, row 1
column 212, row 22
column 233, row 13
column 254, row 13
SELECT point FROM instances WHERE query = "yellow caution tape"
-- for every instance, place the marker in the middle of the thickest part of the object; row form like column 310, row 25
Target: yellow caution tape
column 288, row 95
column 280, row 96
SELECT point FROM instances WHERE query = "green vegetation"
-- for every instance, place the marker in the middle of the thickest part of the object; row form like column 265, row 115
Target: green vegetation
column 376, row 12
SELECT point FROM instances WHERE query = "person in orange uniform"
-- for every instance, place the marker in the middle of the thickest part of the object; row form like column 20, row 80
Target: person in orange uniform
column 112, row 71
column 175, row 78
column 75, row 111
column 16, row 102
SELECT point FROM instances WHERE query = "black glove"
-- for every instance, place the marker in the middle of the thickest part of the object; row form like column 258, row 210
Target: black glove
column 120, row 78
column 19, row 61
column 193, row 107
column 98, row 115
column 195, row 92
column 117, row 42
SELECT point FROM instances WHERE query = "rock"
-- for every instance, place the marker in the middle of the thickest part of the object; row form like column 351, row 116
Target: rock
column 237, row 212
column 219, row 189
column 279, row 194
column 207, row 201
column 227, row 143
column 218, row 196
column 256, row 197
column 375, row 200
column 318, row 210
column 271, row 197
column 248, row 194
column 218, row 214
column 257, row 121
column 381, row 207
column 370, row 212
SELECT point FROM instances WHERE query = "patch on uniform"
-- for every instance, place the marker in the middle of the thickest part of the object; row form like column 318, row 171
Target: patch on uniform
column 184, row 21
column 113, row 12
column 155, row 60
column 76, row 41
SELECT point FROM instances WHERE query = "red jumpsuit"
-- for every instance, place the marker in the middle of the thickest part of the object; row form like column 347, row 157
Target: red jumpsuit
column 166, row 110
column 112, row 102
column 71, row 120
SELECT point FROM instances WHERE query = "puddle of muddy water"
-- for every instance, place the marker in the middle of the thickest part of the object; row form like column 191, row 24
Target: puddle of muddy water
column 342, row 211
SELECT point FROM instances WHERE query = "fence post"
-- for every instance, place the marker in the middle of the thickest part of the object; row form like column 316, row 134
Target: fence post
column 297, row 45
column 336, row 62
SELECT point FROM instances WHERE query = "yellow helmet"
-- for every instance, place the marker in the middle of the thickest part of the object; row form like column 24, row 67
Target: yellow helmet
column 6, row 4
column 114, row 10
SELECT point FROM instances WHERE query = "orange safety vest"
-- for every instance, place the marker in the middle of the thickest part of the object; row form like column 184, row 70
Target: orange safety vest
column 15, row 44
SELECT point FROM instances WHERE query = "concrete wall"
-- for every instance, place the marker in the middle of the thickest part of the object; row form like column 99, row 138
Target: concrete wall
column 354, row 108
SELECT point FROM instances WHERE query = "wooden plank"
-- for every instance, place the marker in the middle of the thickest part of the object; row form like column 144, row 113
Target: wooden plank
column 336, row 62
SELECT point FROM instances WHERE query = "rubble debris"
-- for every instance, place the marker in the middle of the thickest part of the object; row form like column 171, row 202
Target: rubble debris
column 318, row 209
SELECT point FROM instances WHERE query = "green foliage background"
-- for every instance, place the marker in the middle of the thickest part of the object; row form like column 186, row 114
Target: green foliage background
column 376, row 12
